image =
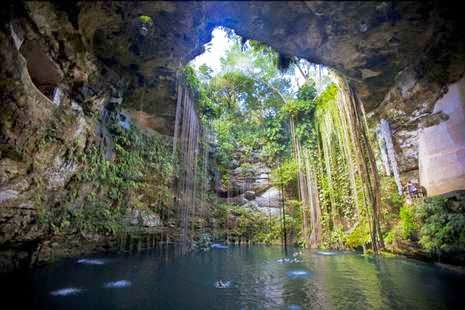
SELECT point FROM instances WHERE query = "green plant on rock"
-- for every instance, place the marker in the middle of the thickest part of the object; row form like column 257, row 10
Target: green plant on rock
column 145, row 19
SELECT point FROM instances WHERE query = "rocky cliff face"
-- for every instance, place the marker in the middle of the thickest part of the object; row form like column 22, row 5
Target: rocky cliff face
column 248, row 183
column 62, row 63
column 54, row 96
column 399, row 57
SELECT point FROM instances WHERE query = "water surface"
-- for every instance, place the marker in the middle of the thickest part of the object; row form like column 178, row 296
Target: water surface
column 255, row 277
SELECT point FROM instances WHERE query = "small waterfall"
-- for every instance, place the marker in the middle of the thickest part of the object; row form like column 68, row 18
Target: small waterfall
column 388, row 154
column 186, row 149
column 204, row 176
column 191, row 148
column 308, row 192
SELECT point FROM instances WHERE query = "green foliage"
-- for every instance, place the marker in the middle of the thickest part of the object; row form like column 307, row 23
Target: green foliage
column 334, row 239
column 307, row 92
column 96, row 216
column 326, row 100
column 240, row 223
column 143, row 166
column 284, row 174
column 190, row 78
column 333, row 153
column 142, row 163
column 442, row 228
column 145, row 19
column 359, row 236
column 294, row 107
column 391, row 200
column 408, row 224
column 241, row 103
column 203, row 242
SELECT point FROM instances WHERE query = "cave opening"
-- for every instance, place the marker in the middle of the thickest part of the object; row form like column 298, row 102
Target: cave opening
column 44, row 72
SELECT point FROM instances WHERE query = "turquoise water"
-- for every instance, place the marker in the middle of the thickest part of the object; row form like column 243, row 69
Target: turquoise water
column 251, row 278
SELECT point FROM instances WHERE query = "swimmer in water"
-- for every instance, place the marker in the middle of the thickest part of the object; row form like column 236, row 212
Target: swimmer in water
column 222, row 284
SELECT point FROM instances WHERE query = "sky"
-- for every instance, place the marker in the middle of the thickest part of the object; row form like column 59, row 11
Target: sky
column 218, row 47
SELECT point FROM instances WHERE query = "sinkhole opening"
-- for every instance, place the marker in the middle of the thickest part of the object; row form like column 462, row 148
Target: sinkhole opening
column 255, row 108
column 245, row 93
column 275, row 148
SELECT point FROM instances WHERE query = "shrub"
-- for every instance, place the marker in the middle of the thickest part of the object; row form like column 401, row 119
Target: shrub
column 204, row 242
column 359, row 236
column 408, row 224
column 443, row 229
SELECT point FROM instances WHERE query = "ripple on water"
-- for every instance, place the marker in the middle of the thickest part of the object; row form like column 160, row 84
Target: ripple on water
column 294, row 307
column 66, row 291
column 326, row 253
column 218, row 246
column 297, row 274
column 289, row 260
column 86, row 261
column 117, row 284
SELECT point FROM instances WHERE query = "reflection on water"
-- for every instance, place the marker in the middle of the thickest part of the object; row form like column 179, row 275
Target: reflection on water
column 296, row 274
column 66, row 291
column 326, row 253
column 87, row 261
column 163, row 279
column 118, row 284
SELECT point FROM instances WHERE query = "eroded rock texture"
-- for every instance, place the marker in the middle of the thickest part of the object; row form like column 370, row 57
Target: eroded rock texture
column 61, row 63
column 399, row 57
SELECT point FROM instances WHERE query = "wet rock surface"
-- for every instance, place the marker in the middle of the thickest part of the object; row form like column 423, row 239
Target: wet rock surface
column 145, row 218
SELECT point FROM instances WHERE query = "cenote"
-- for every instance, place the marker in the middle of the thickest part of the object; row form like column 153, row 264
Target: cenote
column 164, row 279
column 232, row 155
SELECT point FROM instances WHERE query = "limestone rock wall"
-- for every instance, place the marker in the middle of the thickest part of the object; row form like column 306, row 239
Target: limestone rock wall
column 442, row 146
column 53, row 92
